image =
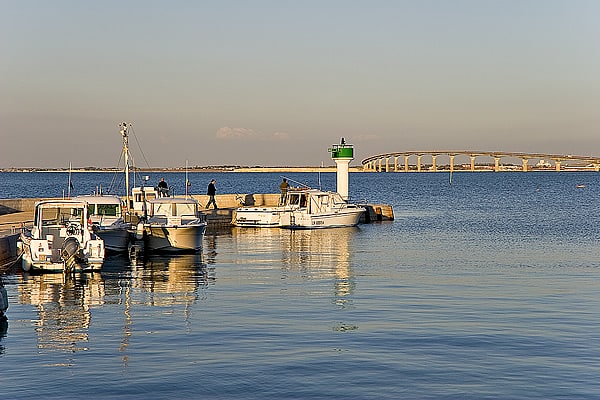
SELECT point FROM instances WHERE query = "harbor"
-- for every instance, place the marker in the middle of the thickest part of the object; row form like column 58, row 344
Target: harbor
column 75, row 233
column 458, row 283
column 17, row 214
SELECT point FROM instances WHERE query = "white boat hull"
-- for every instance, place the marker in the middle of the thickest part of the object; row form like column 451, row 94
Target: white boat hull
column 186, row 238
column 257, row 216
column 39, row 256
column 303, row 220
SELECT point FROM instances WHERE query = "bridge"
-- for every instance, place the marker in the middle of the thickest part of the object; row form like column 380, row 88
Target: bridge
column 388, row 162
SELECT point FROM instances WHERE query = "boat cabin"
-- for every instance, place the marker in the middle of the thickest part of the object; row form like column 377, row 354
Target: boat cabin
column 103, row 208
column 56, row 220
column 315, row 201
column 173, row 211
column 139, row 194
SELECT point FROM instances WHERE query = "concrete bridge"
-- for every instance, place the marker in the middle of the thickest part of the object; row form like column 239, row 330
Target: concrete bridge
column 388, row 162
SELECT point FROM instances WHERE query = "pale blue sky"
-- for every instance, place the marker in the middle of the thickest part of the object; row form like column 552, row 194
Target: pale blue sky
column 277, row 82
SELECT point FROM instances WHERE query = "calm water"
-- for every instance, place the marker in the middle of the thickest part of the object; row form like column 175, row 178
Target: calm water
column 486, row 289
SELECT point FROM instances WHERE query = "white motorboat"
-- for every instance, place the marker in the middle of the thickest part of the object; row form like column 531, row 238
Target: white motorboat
column 106, row 215
column 303, row 208
column 62, row 238
column 313, row 208
column 174, row 225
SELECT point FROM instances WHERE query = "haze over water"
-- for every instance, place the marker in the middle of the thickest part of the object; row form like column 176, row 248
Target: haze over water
column 486, row 288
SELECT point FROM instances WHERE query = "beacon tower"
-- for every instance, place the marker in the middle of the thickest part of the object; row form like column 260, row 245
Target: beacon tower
column 342, row 154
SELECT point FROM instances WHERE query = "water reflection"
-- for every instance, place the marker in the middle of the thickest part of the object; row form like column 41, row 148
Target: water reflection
column 64, row 302
column 329, row 251
column 314, row 254
column 3, row 330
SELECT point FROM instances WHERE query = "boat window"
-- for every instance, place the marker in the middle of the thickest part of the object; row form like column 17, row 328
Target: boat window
column 162, row 209
column 50, row 216
column 108, row 209
column 293, row 199
column 303, row 200
column 77, row 215
column 91, row 209
column 186, row 209
column 60, row 216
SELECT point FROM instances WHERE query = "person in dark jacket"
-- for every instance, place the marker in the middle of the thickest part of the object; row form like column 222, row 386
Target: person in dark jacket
column 163, row 188
column 211, row 191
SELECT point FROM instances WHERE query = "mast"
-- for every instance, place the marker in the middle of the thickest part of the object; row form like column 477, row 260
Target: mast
column 70, row 183
column 126, row 157
column 187, row 181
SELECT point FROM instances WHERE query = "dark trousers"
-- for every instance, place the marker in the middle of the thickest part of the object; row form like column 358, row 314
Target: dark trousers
column 212, row 201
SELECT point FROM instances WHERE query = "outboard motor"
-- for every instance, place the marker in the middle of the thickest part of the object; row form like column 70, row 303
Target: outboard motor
column 70, row 251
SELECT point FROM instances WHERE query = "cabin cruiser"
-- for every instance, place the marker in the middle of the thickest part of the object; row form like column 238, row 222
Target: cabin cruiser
column 303, row 208
column 106, row 215
column 313, row 208
column 62, row 238
column 174, row 225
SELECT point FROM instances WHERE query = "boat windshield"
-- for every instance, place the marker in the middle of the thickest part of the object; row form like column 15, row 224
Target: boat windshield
column 111, row 210
column 175, row 209
column 59, row 215
column 186, row 209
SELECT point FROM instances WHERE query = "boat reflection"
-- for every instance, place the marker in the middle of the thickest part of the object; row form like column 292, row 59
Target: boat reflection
column 316, row 253
column 65, row 302
column 172, row 274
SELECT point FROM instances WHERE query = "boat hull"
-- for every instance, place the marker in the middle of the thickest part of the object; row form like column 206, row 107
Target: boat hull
column 302, row 220
column 40, row 256
column 186, row 238
column 257, row 216
column 115, row 240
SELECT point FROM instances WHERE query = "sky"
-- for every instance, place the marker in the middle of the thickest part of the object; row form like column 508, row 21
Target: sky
column 277, row 82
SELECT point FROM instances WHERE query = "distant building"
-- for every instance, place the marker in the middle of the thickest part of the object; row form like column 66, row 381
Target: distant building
column 543, row 164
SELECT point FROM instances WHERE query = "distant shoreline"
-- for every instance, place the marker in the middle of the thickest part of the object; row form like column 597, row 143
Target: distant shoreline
column 189, row 169
column 478, row 168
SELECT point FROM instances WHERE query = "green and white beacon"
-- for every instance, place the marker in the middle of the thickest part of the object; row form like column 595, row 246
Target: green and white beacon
column 342, row 154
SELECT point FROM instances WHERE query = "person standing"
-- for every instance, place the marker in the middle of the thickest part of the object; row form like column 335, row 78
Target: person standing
column 284, row 186
column 163, row 188
column 211, row 191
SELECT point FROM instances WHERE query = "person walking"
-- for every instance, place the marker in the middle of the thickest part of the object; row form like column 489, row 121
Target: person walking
column 284, row 186
column 211, row 191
